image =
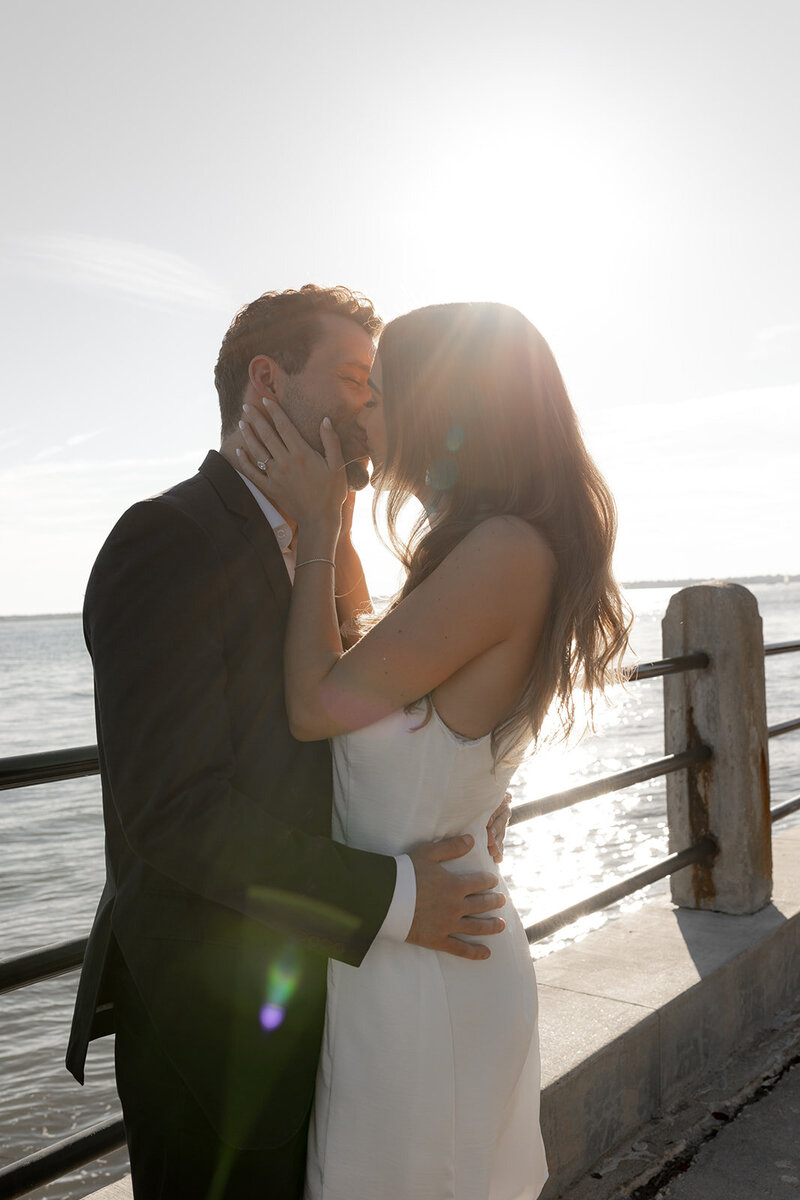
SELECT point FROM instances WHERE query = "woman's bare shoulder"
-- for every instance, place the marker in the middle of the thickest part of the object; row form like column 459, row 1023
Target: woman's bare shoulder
column 513, row 544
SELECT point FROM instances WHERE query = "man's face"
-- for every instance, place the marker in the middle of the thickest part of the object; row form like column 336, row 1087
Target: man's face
column 333, row 383
column 373, row 421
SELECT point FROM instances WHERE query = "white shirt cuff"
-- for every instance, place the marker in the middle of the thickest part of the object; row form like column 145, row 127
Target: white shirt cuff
column 397, row 921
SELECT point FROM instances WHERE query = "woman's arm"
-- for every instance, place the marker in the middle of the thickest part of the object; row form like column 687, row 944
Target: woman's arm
column 496, row 581
column 485, row 590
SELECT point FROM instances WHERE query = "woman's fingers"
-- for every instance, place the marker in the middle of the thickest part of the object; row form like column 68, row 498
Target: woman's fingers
column 264, row 431
column 248, row 468
column 331, row 445
column 293, row 440
column 255, row 448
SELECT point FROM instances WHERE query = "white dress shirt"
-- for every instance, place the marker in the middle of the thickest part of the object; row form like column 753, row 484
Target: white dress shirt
column 397, row 921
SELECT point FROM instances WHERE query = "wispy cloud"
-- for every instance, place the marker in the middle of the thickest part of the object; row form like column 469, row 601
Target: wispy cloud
column 776, row 341
column 93, row 468
column 78, row 439
column 142, row 273
column 11, row 437
column 50, row 490
column 777, row 333
column 48, row 452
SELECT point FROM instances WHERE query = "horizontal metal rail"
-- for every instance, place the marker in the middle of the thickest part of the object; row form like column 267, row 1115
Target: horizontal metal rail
column 703, row 850
column 784, row 727
column 47, row 1164
column 68, row 956
column 609, row 783
column 666, row 666
column 41, row 964
column 51, row 766
column 781, row 648
column 783, row 810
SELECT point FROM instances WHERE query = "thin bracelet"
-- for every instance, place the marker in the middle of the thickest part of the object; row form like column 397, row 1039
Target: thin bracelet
column 297, row 566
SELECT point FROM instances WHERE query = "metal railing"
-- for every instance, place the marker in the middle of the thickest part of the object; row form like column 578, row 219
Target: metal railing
column 41, row 964
column 43, row 1166
column 704, row 850
column 781, row 648
column 788, row 806
column 40, row 1168
column 52, row 766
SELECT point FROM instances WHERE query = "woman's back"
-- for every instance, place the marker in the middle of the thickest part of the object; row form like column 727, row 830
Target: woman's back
column 429, row 1077
column 408, row 779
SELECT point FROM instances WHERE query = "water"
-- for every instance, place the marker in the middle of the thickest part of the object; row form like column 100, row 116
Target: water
column 51, row 847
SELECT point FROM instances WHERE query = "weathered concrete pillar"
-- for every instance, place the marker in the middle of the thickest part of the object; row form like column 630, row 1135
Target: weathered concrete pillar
column 723, row 706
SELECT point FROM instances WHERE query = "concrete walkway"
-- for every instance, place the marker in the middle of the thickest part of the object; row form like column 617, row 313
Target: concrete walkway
column 756, row 1157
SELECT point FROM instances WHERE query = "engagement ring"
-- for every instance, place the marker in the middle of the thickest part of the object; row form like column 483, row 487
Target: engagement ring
column 262, row 466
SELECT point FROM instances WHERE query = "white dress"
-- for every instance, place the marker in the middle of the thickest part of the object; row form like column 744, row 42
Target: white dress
column 428, row 1082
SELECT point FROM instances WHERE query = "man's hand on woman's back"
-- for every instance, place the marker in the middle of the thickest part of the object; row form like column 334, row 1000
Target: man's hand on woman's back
column 450, row 905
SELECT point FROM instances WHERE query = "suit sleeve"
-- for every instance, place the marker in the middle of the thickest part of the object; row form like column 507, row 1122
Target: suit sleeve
column 152, row 620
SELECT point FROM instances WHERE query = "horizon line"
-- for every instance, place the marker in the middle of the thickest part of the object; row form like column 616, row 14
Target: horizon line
column 775, row 577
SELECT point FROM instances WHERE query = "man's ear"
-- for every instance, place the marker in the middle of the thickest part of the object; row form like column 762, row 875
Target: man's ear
column 263, row 372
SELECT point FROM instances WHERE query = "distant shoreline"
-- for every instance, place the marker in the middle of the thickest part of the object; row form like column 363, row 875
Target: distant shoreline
column 629, row 586
column 38, row 616
column 744, row 579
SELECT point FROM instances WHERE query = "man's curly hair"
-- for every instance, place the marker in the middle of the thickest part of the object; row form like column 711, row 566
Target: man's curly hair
column 285, row 326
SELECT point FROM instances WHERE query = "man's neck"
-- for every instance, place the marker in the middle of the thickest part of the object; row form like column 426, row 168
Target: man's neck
column 228, row 451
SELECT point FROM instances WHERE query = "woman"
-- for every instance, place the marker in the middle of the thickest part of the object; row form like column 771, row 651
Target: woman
column 428, row 1084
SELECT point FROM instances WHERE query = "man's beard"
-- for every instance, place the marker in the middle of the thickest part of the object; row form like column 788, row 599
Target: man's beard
column 354, row 451
column 357, row 473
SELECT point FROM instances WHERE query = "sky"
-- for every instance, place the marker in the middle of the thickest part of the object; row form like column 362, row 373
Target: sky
column 623, row 171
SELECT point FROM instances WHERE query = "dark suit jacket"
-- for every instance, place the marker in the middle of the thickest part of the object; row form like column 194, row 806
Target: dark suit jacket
column 224, row 892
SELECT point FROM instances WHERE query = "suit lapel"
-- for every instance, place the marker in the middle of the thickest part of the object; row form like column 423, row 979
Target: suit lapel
column 255, row 527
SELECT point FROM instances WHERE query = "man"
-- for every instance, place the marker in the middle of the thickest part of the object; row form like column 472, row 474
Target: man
column 224, row 893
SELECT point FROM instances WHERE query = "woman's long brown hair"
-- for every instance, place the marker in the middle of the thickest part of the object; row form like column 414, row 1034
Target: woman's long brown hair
column 476, row 409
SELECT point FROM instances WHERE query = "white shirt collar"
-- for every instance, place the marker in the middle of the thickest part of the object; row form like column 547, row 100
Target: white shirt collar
column 280, row 526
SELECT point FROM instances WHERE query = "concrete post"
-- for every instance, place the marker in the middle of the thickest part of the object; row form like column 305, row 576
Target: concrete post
column 723, row 706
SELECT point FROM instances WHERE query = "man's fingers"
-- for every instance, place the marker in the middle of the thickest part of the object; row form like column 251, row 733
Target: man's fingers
column 484, row 902
column 473, row 950
column 449, row 848
column 476, row 881
column 497, row 826
column 481, row 926
column 451, row 903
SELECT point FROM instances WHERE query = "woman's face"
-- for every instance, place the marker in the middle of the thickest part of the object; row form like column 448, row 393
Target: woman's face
column 371, row 419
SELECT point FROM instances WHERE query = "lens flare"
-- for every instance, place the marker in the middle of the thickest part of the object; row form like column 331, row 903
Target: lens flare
column 282, row 978
column 271, row 1016
column 443, row 474
column 454, row 438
